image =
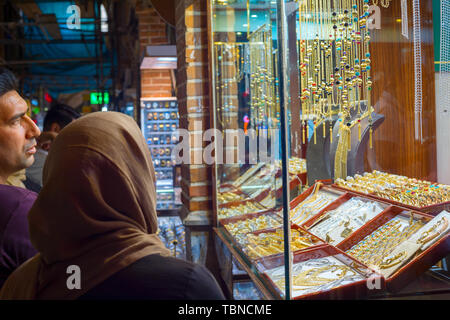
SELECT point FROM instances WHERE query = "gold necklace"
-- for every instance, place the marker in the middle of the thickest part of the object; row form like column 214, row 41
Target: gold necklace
column 385, row 3
column 428, row 236
column 314, row 194
column 340, row 162
column 311, row 277
column 389, row 262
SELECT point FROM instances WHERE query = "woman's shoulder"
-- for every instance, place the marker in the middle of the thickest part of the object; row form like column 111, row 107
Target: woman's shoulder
column 159, row 277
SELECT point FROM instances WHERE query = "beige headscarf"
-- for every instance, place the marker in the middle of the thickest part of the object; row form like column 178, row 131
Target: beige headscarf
column 96, row 210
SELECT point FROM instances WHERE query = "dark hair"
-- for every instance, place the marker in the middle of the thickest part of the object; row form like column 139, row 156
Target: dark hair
column 60, row 113
column 8, row 81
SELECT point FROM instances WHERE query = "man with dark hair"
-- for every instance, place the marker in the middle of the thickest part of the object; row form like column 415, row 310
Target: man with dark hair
column 59, row 116
column 18, row 132
column 18, row 135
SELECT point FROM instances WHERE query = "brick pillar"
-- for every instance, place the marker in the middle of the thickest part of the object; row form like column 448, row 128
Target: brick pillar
column 195, row 111
column 194, row 107
column 152, row 31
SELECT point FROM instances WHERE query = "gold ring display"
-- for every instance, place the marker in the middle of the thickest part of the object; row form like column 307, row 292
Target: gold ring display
column 409, row 191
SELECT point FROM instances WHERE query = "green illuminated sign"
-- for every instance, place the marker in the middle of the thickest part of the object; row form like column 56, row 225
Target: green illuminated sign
column 96, row 98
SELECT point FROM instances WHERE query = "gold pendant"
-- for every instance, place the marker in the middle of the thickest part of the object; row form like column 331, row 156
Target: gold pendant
column 303, row 133
column 390, row 262
column 347, row 231
column 331, row 134
column 385, row 3
column 359, row 130
column 427, row 236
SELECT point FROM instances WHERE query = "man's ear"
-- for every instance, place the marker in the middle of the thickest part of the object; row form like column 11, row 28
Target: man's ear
column 55, row 127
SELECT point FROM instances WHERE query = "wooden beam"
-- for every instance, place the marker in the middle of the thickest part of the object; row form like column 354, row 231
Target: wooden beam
column 30, row 9
column 49, row 22
column 165, row 9
column 86, row 8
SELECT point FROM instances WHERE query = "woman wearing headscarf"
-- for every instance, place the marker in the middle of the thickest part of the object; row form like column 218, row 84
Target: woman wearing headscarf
column 94, row 223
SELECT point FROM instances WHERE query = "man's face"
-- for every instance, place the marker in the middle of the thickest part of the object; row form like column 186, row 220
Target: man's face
column 17, row 134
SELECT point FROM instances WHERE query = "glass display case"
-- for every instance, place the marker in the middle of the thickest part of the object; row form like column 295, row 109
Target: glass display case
column 172, row 232
column 326, row 115
column 159, row 125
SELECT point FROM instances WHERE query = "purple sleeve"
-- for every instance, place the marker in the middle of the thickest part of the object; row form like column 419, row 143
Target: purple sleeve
column 16, row 240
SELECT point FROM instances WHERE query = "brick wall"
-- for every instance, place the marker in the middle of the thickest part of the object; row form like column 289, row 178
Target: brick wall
column 194, row 107
column 152, row 31
column 195, row 115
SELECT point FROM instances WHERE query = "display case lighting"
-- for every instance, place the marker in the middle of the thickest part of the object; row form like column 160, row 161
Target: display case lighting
column 160, row 57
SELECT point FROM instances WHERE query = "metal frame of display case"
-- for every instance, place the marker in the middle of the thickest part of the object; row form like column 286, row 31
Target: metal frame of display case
column 261, row 283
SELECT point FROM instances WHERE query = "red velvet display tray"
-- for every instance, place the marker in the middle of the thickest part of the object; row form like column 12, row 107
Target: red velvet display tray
column 305, row 194
column 355, row 290
column 336, row 204
column 236, row 203
column 407, row 273
column 318, row 241
column 415, row 266
column 225, row 221
column 293, row 184
column 432, row 209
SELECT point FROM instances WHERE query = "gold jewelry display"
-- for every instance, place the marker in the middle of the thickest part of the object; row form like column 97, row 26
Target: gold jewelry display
column 340, row 162
column 263, row 80
column 334, row 63
column 232, row 211
column 258, row 183
column 315, row 202
column 338, row 224
column 389, row 262
column 385, row 3
column 248, row 174
column 262, row 178
column 229, row 71
column 270, row 200
column 225, row 197
column 297, row 166
column 414, row 192
column 311, row 277
column 316, row 275
column 374, row 248
column 335, row 87
column 430, row 235
column 418, row 242
column 256, row 62
column 249, row 225
column 269, row 243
